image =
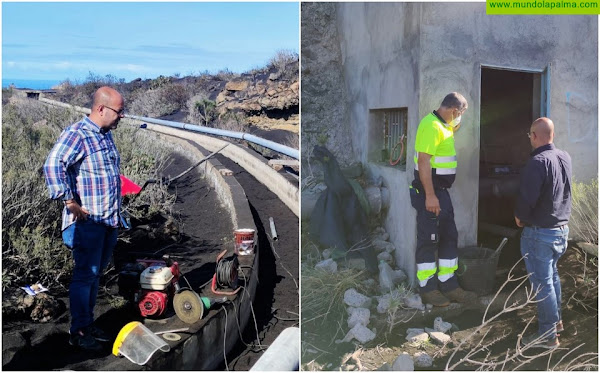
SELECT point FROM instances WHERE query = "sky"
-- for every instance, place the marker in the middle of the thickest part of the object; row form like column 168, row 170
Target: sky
column 58, row 41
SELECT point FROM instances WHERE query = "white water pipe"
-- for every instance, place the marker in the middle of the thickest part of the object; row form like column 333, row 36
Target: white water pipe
column 291, row 152
column 283, row 355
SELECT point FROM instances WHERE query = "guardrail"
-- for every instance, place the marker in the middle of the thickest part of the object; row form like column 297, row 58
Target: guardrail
column 291, row 152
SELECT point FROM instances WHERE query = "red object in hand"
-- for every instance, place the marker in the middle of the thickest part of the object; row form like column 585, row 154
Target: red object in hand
column 128, row 186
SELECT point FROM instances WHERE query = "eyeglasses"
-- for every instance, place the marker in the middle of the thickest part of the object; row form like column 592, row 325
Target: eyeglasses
column 120, row 112
column 530, row 133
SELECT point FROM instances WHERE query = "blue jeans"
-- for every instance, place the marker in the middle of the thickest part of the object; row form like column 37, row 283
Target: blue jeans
column 541, row 249
column 92, row 245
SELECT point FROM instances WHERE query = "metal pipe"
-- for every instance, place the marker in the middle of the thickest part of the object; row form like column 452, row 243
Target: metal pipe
column 273, row 231
column 283, row 354
column 291, row 152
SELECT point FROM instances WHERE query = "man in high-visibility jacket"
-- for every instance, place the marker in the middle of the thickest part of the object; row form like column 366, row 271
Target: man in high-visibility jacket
column 435, row 171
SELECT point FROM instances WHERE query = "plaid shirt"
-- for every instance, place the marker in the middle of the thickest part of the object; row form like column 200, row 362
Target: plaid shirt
column 84, row 165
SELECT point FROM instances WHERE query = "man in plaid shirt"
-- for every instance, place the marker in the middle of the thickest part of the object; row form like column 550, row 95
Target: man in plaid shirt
column 83, row 170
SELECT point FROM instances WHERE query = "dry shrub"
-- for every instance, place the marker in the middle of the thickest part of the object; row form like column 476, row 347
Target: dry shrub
column 286, row 63
column 158, row 102
column 231, row 121
column 583, row 225
column 31, row 244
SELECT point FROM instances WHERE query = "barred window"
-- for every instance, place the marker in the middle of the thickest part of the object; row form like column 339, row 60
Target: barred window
column 388, row 136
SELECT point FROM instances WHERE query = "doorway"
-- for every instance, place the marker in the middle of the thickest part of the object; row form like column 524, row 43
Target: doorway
column 510, row 101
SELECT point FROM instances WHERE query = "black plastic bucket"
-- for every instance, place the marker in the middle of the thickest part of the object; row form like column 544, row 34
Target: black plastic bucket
column 477, row 269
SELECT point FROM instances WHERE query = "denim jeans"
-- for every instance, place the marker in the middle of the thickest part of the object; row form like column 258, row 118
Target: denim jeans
column 92, row 245
column 541, row 249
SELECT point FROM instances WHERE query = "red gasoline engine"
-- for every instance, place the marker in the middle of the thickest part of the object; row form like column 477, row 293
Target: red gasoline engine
column 150, row 283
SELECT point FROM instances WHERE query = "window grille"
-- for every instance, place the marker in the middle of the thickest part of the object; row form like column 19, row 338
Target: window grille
column 394, row 124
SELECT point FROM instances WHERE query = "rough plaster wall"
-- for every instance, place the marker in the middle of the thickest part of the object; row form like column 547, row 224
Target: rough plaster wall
column 380, row 47
column 450, row 60
column 324, row 109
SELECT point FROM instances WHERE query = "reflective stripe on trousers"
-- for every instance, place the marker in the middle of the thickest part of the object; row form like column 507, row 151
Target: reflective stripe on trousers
column 425, row 271
column 447, row 269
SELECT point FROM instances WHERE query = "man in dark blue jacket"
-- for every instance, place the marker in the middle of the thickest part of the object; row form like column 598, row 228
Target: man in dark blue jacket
column 543, row 209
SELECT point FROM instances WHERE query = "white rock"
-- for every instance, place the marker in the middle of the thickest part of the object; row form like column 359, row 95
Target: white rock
column 328, row 265
column 403, row 363
column 358, row 316
column 429, row 306
column 381, row 235
column 355, row 299
column 381, row 245
column 387, row 257
column 326, row 253
column 440, row 325
column 386, row 299
column 379, row 230
column 417, row 337
column 414, row 301
column 414, row 330
column 422, row 360
column 399, row 276
column 440, row 338
column 359, row 332
column 429, row 330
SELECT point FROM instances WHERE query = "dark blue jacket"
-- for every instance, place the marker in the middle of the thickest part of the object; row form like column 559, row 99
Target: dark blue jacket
column 545, row 193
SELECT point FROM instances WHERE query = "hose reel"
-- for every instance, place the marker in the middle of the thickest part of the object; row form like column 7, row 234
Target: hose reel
column 226, row 275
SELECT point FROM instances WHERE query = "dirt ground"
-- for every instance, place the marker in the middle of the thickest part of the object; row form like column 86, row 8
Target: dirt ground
column 205, row 230
column 580, row 317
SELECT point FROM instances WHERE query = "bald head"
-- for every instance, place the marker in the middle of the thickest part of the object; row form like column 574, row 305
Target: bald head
column 107, row 108
column 541, row 132
column 105, row 96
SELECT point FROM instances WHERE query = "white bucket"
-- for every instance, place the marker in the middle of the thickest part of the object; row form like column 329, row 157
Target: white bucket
column 138, row 343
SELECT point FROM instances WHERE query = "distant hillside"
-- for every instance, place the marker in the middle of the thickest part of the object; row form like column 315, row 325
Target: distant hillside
column 263, row 100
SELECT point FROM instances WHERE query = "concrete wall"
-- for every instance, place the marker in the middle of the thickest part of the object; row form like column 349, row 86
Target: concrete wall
column 412, row 54
column 380, row 46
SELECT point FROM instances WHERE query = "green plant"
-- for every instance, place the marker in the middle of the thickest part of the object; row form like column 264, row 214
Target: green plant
column 584, row 213
column 201, row 110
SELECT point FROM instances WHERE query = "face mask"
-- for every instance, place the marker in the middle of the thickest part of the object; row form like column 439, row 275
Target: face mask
column 455, row 122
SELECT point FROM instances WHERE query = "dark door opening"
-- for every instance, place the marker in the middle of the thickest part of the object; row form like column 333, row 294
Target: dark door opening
column 510, row 101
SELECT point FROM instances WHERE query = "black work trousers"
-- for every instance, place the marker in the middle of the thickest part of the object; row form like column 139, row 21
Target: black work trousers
column 435, row 234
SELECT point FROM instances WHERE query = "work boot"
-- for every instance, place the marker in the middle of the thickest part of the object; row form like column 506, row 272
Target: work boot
column 85, row 341
column 97, row 333
column 436, row 298
column 461, row 296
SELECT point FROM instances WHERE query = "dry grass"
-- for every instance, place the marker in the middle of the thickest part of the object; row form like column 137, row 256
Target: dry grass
column 583, row 224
